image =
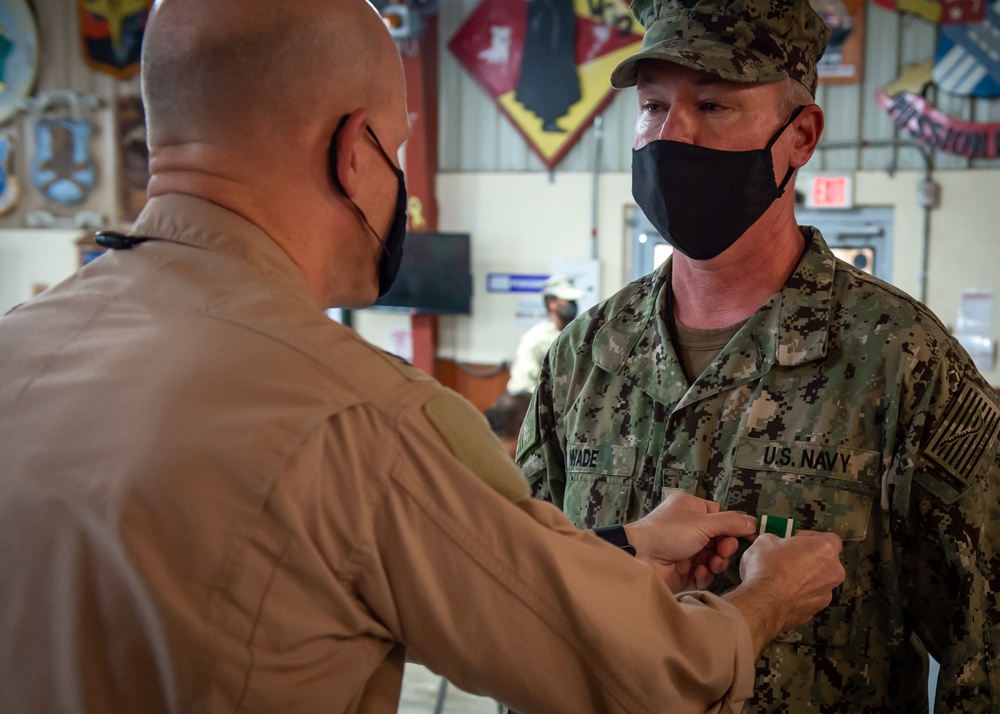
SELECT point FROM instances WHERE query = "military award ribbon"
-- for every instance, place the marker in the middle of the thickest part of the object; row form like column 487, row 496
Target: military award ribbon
column 775, row 525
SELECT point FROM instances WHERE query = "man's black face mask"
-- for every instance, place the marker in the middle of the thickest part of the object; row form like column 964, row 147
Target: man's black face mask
column 702, row 200
column 567, row 312
column 392, row 244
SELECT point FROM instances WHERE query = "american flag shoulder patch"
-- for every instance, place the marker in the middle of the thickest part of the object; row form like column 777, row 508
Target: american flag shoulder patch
column 970, row 426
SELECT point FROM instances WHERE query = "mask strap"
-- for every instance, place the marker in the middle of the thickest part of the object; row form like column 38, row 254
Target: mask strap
column 777, row 135
column 395, row 169
column 332, row 158
column 332, row 155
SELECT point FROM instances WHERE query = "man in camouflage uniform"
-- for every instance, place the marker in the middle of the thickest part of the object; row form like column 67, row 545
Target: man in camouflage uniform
column 755, row 369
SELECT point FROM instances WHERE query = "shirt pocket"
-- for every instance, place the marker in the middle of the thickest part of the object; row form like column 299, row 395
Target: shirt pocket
column 598, row 483
column 677, row 479
column 830, row 501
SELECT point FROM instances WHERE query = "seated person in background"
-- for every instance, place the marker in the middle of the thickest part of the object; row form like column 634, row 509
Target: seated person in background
column 560, row 298
column 505, row 417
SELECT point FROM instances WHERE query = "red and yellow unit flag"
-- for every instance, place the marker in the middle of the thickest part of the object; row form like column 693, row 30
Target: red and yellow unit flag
column 547, row 63
column 112, row 34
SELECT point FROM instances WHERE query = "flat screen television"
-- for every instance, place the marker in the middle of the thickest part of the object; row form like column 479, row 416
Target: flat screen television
column 435, row 276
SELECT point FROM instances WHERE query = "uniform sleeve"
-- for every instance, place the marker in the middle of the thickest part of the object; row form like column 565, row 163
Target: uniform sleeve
column 507, row 599
column 539, row 449
column 946, row 525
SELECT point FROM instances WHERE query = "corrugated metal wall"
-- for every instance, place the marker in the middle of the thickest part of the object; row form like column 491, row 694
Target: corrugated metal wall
column 60, row 65
column 475, row 136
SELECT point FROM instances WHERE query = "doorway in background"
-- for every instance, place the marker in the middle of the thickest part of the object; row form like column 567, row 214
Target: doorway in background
column 861, row 236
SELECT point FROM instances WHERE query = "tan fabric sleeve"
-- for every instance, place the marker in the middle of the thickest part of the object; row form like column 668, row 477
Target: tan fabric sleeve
column 468, row 435
column 511, row 601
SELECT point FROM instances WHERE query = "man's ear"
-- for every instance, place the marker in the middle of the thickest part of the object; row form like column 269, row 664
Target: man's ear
column 345, row 166
column 806, row 131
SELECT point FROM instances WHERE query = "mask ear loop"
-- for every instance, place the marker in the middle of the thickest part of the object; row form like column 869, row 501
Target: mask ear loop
column 332, row 159
column 331, row 155
column 395, row 169
column 798, row 110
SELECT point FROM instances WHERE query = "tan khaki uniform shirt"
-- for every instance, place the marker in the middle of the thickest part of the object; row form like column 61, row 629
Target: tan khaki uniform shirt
column 215, row 499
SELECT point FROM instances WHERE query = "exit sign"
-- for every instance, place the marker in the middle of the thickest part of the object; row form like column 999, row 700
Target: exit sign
column 830, row 191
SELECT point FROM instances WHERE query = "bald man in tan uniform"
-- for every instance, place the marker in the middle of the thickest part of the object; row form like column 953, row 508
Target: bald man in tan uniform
column 214, row 499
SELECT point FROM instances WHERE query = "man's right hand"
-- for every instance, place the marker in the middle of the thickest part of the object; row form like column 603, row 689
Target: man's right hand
column 786, row 581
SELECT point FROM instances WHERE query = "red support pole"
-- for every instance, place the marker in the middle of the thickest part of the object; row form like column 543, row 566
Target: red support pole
column 424, row 331
column 420, row 66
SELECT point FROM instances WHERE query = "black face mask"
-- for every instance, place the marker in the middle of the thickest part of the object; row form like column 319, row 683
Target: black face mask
column 702, row 200
column 392, row 244
column 567, row 312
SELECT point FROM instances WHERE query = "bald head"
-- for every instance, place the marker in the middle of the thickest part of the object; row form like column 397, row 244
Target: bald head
column 219, row 71
column 243, row 103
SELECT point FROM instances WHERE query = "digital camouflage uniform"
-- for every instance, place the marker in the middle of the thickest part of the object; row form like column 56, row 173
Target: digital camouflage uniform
column 841, row 403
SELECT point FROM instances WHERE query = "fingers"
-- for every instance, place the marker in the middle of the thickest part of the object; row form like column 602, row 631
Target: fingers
column 702, row 577
column 802, row 572
column 716, row 522
column 727, row 547
column 718, row 562
column 729, row 523
column 705, row 573
column 715, row 561
column 831, row 537
column 808, row 564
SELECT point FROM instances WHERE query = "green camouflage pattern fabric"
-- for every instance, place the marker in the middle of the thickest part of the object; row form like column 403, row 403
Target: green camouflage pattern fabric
column 842, row 403
column 738, row 40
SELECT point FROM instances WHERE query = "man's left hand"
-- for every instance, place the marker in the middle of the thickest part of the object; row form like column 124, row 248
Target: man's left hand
column 688, row 540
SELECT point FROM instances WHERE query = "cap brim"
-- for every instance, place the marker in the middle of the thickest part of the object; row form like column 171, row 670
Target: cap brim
column 566, row 294
column 690, row 53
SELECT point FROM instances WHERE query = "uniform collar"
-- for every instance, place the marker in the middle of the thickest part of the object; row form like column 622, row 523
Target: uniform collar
column 791, row 328
column 196, row 222
column 801, row 332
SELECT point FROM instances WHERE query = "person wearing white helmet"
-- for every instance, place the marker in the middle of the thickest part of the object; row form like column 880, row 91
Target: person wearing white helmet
column 561, row 298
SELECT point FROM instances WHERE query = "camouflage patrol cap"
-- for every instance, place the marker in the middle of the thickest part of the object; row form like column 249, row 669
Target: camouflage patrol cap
column 738, row 40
